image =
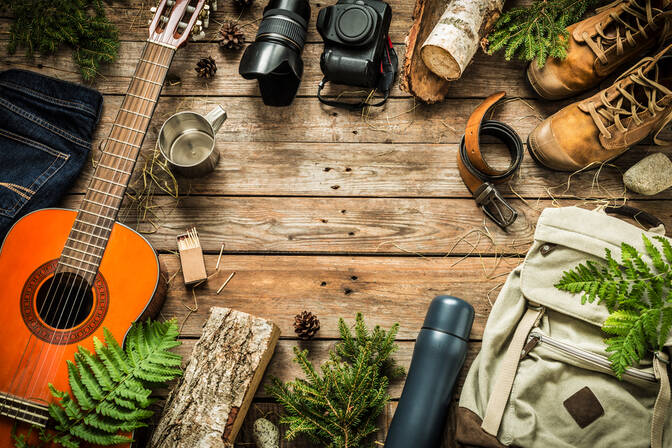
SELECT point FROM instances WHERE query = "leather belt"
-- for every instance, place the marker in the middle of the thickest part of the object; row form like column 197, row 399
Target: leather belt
column 479, row 177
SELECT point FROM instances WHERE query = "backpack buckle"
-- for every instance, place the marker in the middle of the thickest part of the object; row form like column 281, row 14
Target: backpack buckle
column 494, row 205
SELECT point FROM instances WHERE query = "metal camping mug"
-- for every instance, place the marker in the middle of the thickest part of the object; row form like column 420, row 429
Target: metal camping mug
column 187, row 141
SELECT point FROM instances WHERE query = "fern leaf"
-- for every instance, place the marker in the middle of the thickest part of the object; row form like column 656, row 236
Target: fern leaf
column 637, row 295
column 111, row 387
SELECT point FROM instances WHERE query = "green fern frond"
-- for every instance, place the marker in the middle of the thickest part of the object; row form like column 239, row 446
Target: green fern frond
column 110, row 388
column 538, row 30
column 637, row 293
column 338, row 406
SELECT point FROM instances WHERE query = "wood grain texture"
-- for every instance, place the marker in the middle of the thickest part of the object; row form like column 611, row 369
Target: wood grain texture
column 332, row 211
column 385, row 289
column 352, row 225
column 484, row 75
column 384, row 170
column 209, row 402
column 402, row 120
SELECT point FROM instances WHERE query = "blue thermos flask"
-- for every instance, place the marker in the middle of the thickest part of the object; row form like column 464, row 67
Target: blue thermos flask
column 440, row 351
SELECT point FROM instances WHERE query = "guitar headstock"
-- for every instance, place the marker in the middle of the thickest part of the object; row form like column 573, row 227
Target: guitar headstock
column 175, row 20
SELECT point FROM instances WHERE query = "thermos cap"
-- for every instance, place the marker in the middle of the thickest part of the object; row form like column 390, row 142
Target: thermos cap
column 450, row 315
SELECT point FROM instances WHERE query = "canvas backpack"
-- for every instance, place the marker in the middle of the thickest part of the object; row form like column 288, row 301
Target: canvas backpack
column 542, row 378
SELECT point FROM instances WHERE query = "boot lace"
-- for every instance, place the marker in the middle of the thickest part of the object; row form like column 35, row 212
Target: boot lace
column 631, row 19
column 642, row 94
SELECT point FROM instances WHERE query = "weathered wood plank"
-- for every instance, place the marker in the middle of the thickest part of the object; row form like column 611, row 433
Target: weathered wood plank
column 306, row 120
column 131, row 18
column 283, row 367
column 384, row 289
column 271, row 411
column 350, row 225
column 487, row 74
column 401, row 121
column 382, row 170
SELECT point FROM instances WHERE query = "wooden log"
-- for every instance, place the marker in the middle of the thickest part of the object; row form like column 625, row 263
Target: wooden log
column 416, row 78
column 456, row 37
column 207, row 407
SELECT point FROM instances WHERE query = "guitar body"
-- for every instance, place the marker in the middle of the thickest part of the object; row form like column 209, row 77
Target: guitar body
column 33, row 353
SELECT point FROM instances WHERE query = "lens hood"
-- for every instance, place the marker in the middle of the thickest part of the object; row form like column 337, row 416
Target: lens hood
column 263, row 58
column 274, row 58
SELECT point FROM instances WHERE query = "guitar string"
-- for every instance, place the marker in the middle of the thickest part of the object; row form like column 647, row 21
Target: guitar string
column 40, row 360
column 128, row 104
column 118, row 166
column 78, row 296
column 171, row 53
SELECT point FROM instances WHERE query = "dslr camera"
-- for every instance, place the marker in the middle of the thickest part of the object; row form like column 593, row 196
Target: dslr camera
column 357, row 50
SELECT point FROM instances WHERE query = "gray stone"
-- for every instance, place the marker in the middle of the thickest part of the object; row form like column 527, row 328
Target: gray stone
column 266, row 434
column 650, row 176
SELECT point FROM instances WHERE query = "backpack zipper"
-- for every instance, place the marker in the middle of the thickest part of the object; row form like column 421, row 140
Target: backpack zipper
column 589, row 357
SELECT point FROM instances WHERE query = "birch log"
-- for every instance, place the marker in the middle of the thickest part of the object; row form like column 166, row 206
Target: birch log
column 207, row 406
column 456, row 37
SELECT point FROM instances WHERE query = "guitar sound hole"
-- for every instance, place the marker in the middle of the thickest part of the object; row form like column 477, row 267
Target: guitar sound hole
column 64, row 301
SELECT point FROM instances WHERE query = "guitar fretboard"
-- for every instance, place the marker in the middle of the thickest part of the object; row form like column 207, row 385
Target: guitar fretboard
column 88, row 238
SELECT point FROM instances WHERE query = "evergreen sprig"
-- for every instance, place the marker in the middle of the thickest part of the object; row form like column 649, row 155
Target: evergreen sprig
column 637, row 294
column 537, row 31
column 44, row 26
column 338, row 407
column 110, row 389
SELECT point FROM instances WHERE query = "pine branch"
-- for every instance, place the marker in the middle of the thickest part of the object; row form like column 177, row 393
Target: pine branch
column 537, row 31
column 338, row 407
column 637, row 294
column 110, row 388
column 44, row 26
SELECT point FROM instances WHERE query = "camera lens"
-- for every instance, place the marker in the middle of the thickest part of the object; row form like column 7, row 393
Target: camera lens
column 274, row 59
column 285, row 21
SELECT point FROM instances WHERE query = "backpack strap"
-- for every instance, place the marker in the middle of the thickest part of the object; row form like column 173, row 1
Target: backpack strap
column 661, row 362
column 507, row 372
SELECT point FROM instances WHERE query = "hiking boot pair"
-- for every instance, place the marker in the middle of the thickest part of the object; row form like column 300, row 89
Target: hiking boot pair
column 637, row 104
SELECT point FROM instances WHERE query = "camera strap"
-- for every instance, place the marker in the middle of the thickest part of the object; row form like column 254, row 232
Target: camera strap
column 389, row 67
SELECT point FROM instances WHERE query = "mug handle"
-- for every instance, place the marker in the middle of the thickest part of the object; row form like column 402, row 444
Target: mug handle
column 216, row 117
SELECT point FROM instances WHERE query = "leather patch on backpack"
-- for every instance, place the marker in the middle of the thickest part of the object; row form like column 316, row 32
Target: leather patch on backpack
column 584, row 407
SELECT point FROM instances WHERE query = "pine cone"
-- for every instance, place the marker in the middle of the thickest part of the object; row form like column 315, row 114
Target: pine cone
column 243, row 3
column 206, row 68
column 232, row 37
column 306, row 325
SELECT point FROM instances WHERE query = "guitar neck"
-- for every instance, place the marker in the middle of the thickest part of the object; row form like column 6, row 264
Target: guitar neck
column 89, row 235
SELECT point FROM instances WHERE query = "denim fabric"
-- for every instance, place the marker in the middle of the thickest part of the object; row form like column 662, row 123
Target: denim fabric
column 46, row 126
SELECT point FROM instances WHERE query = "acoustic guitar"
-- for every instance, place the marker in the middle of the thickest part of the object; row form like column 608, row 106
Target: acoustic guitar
column 66, row 274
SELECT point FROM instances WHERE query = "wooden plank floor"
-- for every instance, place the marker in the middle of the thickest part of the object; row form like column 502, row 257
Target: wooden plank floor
column 333, row 211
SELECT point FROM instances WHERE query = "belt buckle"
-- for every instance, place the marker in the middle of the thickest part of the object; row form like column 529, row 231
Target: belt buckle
column 494, row 205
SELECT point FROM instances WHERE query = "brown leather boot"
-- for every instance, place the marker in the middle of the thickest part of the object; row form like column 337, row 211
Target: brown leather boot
column 618, row 34
column 605, row 125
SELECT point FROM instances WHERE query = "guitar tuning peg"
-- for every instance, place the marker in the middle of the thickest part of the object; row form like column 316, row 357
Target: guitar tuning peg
column 206, row 21
column 198, row 36
column 214, row 5
column 181, row 25
column 170, row 2
column 190, row 9
column 152, row 9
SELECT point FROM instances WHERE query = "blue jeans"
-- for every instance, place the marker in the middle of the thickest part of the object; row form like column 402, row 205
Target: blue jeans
column 46, row 127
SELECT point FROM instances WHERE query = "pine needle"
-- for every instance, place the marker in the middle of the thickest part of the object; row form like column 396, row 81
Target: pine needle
column 537, row 31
